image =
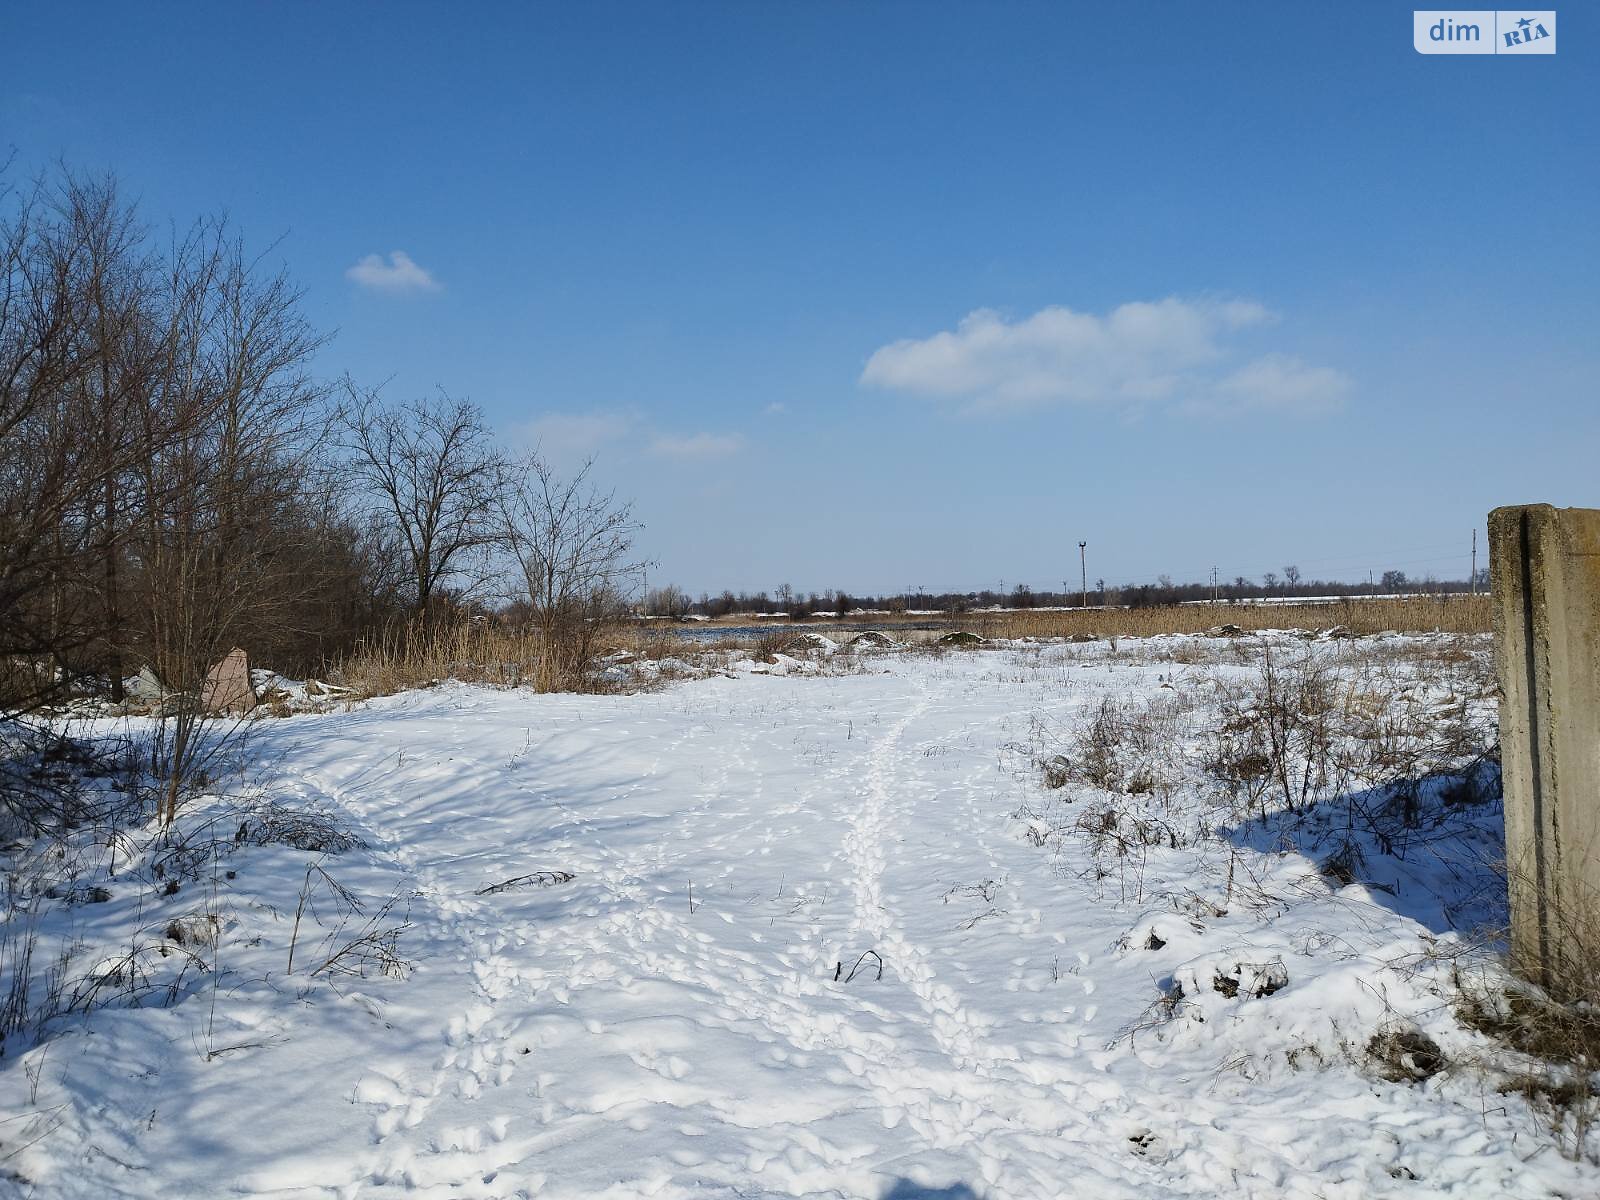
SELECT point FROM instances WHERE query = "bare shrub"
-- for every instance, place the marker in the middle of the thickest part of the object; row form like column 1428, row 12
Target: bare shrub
column 41, row 780
column 1276, row 735
column 769, row 645
column 16, row 962
column 274, row 824
column 1131, row 749
column 573, row 547
column 1405, row 1055
column 351, row 940
column 1316, row 727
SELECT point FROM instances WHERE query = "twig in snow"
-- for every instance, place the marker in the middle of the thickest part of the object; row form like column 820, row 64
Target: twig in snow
column 988, row 912
column 537, row 879
column 838, row 968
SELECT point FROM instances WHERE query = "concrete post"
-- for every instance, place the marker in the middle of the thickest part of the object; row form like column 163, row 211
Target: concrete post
column 1545, row 567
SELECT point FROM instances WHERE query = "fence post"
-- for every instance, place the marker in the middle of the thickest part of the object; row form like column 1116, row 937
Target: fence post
column 1544, row 565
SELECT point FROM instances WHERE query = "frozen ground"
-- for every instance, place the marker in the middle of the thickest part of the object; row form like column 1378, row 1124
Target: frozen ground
column 696, row 1013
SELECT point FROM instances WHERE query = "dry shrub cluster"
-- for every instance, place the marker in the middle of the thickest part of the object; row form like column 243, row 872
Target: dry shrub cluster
column 1559, row 1046
column 1307, row 728
column 769, row 645
column 1132, row 748
column 1550, row 1016
column 1130, row 755
column 106, row 859
column 1370, row 749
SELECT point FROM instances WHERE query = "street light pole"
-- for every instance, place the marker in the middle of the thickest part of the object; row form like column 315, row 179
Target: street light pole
column 1083, row 568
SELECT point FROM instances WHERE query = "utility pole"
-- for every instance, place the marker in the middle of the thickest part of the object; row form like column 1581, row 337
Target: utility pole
column 1083, row 568
column 1473, row 584
column 1213, row 587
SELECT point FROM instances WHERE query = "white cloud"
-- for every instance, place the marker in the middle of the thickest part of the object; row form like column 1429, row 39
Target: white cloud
column 776, row 409
column 577, row 435
column 399, row 274
column 697, row 446
column 1166, row 351
column 570, row 437
column 1280, row 383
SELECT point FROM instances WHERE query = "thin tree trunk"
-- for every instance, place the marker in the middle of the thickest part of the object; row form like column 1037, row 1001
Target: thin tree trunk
column 113, row 629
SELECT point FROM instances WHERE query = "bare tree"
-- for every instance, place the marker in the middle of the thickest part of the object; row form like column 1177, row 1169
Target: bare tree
column 44, row 462
column 667, row 601
column 156, row 423
column 218, row 556
column 72, row 275
column 436, row 478
column 573, row 546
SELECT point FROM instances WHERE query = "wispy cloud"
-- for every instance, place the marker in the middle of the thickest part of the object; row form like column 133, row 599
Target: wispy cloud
column 573, row 436
column 1176, row 352
column 577, row 435
column 399, row 274
column 1277, row 383
column 697, row 446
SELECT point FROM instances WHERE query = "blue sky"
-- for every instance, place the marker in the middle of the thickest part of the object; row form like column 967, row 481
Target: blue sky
column 883, row 295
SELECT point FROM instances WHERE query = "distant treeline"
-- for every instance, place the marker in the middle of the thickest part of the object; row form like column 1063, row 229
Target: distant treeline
column 672, row 601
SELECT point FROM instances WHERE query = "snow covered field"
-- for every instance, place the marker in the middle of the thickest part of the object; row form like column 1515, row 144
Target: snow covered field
column 824, row 936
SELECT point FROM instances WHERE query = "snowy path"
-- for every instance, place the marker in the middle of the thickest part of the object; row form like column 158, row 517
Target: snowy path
column 603, row 1032
column 668, row 1023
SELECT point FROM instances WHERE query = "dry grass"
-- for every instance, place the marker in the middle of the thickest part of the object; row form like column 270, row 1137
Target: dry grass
column 1455, row 614
column 397, row 659
column 481, row 652
column 1560, row 1043
column 1413, row 614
